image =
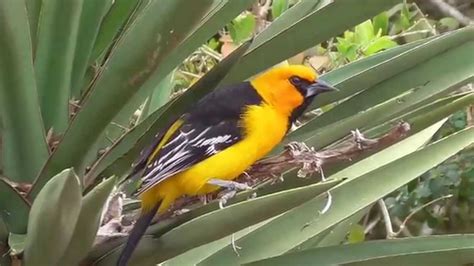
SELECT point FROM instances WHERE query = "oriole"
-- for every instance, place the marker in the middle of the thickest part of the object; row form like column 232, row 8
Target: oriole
column 219, row 138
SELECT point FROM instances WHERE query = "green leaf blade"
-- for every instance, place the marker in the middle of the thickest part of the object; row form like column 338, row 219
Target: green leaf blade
column 14, row 209
column 365, row 184
column 218, row 224
column 52, row 220
column 283, row 46
column 91, row 16
column 54, row 59
column 87, row 223
column 24, row 148
column 34, row 8
column 430, row 250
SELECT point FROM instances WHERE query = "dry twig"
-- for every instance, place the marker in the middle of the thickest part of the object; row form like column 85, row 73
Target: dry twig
column 386, row 219
column 298, row 155
column 451, row 11
column 388, row 222
column 416, row 210
column 260, row 10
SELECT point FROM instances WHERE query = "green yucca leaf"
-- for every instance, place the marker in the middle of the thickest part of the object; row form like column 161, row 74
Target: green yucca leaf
column 427, row 115
column 161, row 94
column 91, row 16
column 111, row 26
column 52, row 219
column 54, row 59
column 197, row 254
column 219, row 13
column 418, row 120
column 218, row 224
column 87, row 223
column 24, row 148
column 297, row 218
column 158, row 97
column 302, row 222
column 430, row 250
column 14, row 208
column 17, row 243
column 335, row 235
column 286, row 40
column 394, row 80
column 437, row 76
column 352, row 71
column 33, row 8
column 120, row 15
column 319, row 138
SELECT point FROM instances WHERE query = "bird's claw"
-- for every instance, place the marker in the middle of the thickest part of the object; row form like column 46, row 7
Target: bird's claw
column 241, row 186
column 277, row 179
column 225, row 197
column 231, row 185
column 232, row 188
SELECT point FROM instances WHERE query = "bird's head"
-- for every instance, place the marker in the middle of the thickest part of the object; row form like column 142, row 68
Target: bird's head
column 290, row 89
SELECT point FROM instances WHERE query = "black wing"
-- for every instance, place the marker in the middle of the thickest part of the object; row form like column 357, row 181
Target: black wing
column 211, row 126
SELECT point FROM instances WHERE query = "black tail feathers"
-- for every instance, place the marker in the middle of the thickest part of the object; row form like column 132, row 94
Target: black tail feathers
column 136, row 234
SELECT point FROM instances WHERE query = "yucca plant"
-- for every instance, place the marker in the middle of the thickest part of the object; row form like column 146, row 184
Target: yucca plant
column 74, row 73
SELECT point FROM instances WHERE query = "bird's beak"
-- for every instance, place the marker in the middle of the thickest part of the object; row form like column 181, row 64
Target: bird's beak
column 318, row 87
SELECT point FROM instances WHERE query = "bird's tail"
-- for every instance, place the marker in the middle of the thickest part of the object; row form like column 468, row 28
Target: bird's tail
column 136, row 234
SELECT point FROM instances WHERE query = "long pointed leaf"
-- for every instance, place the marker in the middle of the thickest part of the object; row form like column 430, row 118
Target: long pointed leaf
column 113, row 22
column 52, row 220
column 54, row 58
column 366, row 182
column 87, row 223
column 193, row 256
column 91, row 16
column 14, row 209
column 351, row 79
column 24, row 148
column 218, row 224
column 310, row 30
column 437, row 76
column 220, row 12
column 34, row 8
column 431, row 250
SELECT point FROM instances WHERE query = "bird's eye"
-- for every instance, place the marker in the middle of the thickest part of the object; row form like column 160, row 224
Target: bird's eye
column 296, row 81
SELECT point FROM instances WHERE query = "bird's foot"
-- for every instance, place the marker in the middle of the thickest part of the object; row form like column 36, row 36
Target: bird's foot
column 231, row 189
column 231, row 185
column 225, row 197
column 203, row 199
column 277, row 179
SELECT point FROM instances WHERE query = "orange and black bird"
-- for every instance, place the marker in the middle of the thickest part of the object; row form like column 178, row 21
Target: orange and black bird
column 220, row 137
